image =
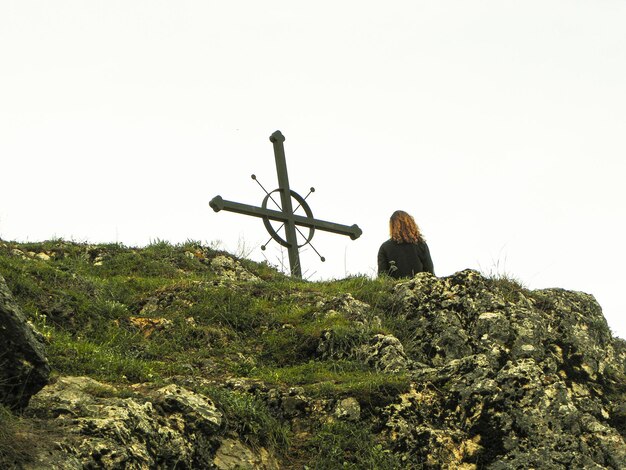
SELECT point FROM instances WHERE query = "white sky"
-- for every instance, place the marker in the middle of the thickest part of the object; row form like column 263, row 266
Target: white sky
column 498, row 124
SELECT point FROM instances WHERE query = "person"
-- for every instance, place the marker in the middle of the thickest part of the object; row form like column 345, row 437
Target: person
column 406, row 252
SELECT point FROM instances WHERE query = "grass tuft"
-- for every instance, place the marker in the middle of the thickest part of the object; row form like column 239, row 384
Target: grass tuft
column 250, row 418
column 17, row 440
column 350, row 446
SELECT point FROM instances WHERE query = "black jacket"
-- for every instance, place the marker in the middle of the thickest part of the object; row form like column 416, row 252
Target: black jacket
column 404, row 259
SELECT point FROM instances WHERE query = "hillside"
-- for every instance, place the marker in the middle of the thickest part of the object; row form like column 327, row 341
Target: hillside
column 185, row 357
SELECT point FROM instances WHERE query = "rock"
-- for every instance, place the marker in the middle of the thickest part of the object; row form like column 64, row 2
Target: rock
column 344, row 303
column 148, row 325
column 17, row 252
column 294, row 403
column 385, row 353
column 230, row 269
column 346, row 306
column 42, row 256
column 348, row 409
column 232, row 454
column 196, row 409
column 24, row 369
column 169, row 428
column 168, row 297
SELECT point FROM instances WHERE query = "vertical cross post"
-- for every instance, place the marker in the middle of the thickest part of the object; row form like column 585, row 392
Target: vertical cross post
column 285, row 214
column 277, row 140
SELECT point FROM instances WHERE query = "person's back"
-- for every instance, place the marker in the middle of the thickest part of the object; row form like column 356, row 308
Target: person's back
column 406, row 252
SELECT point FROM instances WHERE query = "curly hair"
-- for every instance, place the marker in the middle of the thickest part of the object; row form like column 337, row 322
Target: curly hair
column 403, row 229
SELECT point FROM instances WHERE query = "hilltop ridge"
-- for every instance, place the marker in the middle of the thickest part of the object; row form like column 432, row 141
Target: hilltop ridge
column 187, row 357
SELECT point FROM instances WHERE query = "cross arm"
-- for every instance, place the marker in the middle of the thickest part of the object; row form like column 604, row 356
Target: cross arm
column 218, row 204
column 353, row 231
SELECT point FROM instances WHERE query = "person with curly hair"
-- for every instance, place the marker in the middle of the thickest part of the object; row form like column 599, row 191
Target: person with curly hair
column 406, row 252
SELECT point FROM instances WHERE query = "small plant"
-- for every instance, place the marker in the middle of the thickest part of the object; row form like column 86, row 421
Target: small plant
column 509, row 287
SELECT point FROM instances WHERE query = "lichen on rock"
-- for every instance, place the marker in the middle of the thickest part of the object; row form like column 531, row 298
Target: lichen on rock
column 170, row 427
column 229, row 269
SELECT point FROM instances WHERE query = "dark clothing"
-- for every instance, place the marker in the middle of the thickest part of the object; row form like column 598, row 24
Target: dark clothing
column 404, row 259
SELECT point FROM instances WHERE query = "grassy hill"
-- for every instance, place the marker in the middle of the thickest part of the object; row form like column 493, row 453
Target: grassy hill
column 295, row 368
column 125, row 316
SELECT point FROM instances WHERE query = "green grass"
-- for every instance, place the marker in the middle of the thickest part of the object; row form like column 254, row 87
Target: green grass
column 111, row 361
column 17, row 440
column 375, row 292
column 250, row 418
column 333, row 379
column 349, row 446
column 84, row 299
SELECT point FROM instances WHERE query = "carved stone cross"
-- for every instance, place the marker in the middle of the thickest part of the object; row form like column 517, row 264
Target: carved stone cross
column 286, row 214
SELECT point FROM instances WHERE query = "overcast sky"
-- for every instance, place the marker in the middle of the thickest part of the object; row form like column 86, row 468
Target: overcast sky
column 498, row 124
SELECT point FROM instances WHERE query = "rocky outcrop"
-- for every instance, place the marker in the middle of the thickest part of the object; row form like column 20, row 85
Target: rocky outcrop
column 24, row 369
column 513, row 379
column 97, row 426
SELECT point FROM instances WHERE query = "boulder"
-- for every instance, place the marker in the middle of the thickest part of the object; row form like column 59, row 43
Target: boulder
column 24, row 369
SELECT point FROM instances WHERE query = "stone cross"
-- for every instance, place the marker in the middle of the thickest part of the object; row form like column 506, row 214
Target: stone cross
column 286, row 214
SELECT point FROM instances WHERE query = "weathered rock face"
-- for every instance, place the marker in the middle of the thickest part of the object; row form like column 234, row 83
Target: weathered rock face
column 24, row 369
column 102, row 431
column 514, row 380
column 171, row 427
